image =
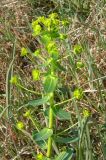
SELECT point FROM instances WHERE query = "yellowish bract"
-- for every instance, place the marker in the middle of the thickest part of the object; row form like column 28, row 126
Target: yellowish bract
column 37, row 30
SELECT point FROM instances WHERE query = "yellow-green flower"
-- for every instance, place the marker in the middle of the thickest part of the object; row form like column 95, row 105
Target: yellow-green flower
column 78, row 94
column 40, row 156
column 63, row 36
column 53, row 15
column 54, row 19
column 35, row 74
column 78, row 49
column 64, row 22
column 79, row 65
column 34, row 23
column 51, row 21
column 51, row 47
column 86, row 113
column 27, row 114
column 52, row 50
column 20, row 125
column 41, row 19
column 37, row 52
column 37, row 30
column 14, row 79
column 47, row 23
column 24, row 51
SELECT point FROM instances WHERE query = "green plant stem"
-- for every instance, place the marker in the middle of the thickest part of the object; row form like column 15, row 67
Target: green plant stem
column 8, row 77
column 31, row 91
column 66, row 101
column 35, row 123
column 74, row 125
column 49, row 149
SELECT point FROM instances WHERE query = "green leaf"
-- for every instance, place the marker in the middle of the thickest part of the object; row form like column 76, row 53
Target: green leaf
column 50, row 83
column 55, row 54
column 65, row 155
column 63, row 36
column 66, row 140
column 54, row 34
column 42, row 144
column 59, row 66
column 61, row 114
column 43, row 134
column 39, row 102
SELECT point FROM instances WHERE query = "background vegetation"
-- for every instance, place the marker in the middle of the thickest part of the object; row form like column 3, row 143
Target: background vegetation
column 80, row 121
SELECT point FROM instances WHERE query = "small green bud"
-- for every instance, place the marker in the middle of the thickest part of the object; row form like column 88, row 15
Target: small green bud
column 24, row 51
column 86, row 113
column 63, row 36
column 14, row 79
column 78, row 94
column 35, row 74
column 78, row 49
column 64, row 22
column 27, row 114
column 37, row 52
column 20, row 125
column 40, row 156
column 80, row 65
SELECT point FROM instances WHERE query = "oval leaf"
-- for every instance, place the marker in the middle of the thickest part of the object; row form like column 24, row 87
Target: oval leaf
column 42, row 144
column 59, row 66
column 65, row 155
column 50, row 84
column 36, row 102
column 39, row 102
column 61, row 114
column 43, row 134
column 66, row 140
